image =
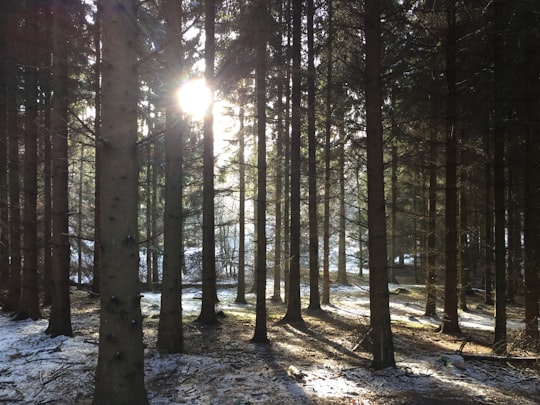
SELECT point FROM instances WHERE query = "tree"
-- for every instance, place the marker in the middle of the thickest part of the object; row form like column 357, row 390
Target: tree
column 431, row 282
column 29, row 304
column 209, row 294
column 499, row 179
column 12, row 93
column 532, row 181
column 241, row 288
column 294, row 309
column 4, row 196
column 327, row 156
column 96, row 280
column 170, row 333
column 450, row 320
column 261, row 15
column 120, row 367
column 60, row 316
column 314, row 295
column 342, row 259
column 383, row 348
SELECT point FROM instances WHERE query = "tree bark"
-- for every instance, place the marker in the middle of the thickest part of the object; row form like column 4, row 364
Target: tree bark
column 97, row 133
column 450, row 320
column 209, row 292
column 383, row 347
column 29, row 304
column 314, row 295
column 120, row 367
column 14, row 166
column 327, row 156
column 260, row 335
column 60, row 316
column 294, row 310
column 499, row 181
column 241, row 288
column 4, row 195
column 170, row 332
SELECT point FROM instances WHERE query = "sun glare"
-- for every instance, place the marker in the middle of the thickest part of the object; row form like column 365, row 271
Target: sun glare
column 194, row 97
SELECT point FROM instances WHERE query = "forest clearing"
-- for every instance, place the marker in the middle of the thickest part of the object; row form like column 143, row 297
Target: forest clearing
column 311, row 364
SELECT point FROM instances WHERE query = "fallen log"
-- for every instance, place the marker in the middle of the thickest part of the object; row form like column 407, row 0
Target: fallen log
column 489, row 357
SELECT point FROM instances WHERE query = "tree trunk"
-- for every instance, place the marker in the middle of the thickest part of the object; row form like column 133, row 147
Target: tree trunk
column 532, row 182
column 280, row 129
column 260, row 335
column 12, row 86
column 170, row 332
column 29, row 304
column 464, row 277
column 120, row 367
column 488, row 223
column 450, row 320
column 499, row 181
column 327, row 156
column 148, row 216
column 287, row 158
column 276, row 297
column 342, row 259
column 314, row 295
column 431, row 286
column 97, row 132
column 157, row 157
column 294, row 310
column 383, row 347
column 241, row 288
column 209, row 293
column 4, row 196
column 60, row 316
column 47, row 157
column 393, row 215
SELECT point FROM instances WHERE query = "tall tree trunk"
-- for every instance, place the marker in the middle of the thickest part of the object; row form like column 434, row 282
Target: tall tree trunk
column 514, row 232
column 4, row 195
column 499, row 181
column 97, row 165
column 154, row 213
column 327, row 156
column 120, row 366
column 294, row 305
column 148, row 216
column 60, row 316
column 276, row 297
column 464, row 277
column 260, row 335
column 287, row 157
column 209, row 293
column 47, row 159
column 342, row 259
column 532, row 181
column 450, row 320
column 383, row 347
column 241, row 288
column 488, row 222
column 431, row 286
column 80, row 217
column 393, row 215
column 29, row 304
column 170, row 332
column 12, row 86
column 314, row 295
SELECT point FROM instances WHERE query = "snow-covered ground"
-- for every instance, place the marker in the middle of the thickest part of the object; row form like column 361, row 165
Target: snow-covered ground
column 35, row 369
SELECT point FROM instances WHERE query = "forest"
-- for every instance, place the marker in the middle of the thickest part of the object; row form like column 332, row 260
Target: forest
column 317, row 201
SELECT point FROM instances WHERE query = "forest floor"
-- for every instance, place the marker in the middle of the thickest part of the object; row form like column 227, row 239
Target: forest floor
column 313, row 363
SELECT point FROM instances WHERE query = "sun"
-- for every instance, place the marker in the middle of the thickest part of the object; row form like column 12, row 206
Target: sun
column 194, row 98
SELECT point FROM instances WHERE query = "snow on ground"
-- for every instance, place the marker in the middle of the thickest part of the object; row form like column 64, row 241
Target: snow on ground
column 35, row 369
